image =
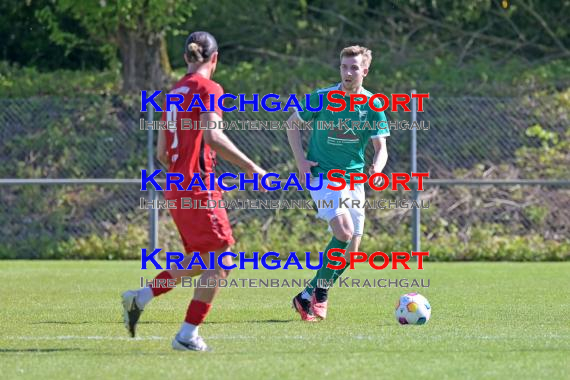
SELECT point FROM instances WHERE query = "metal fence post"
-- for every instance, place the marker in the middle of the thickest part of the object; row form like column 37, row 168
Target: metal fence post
column 153, row 211
column 415, row 193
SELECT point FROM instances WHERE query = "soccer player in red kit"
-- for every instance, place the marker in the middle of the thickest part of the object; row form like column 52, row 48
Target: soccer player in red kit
column 188, row 151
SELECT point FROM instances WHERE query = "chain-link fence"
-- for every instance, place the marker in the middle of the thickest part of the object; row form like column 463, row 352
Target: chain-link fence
column 97, row 137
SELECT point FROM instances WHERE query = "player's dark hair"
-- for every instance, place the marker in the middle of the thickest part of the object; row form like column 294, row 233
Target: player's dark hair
column 200, row 46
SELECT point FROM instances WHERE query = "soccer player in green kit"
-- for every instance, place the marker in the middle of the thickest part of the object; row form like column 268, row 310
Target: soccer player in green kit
column 341, row 147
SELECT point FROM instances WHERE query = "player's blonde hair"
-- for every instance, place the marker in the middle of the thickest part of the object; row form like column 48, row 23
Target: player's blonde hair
column 353, row 51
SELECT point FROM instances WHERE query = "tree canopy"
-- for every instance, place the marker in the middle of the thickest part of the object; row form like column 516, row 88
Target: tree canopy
column 144, row 38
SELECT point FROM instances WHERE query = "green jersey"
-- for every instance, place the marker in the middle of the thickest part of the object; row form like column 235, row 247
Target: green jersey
column 339, row 139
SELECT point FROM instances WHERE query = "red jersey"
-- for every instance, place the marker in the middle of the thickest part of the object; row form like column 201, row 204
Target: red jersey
column 188, row 152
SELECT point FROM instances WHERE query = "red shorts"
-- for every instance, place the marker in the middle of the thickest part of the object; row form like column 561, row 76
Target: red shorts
column 201, row 229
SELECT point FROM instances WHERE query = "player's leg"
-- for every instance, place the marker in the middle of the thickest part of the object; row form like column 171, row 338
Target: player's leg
column 198, row 309
column 135, row 301
column 210, row 231
column 352, row 247
column 199, row 229
column 319, row 299
column 358, row 218
column 341, row 226
column 159, row 284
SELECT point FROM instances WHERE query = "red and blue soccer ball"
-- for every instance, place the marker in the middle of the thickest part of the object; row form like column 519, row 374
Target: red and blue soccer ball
column 413, row 309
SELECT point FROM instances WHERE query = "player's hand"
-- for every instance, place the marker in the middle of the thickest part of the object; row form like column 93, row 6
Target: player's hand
column 305, row 167
column 256, row 169
column 378, row 180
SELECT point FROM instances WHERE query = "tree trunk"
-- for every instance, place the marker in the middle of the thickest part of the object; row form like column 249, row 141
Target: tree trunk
column 144, row 66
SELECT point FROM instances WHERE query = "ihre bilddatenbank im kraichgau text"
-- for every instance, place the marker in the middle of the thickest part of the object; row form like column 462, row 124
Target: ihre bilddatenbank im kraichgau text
column 272, row 182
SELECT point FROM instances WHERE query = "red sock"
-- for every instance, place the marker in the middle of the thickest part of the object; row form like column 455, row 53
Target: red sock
column 163, row 288
column 197, row 312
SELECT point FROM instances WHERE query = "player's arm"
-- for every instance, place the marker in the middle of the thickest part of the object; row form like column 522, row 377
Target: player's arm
column 221, row 143
column 294, row 137
column 161, row 153
column 296, row 143
column 378, row 137
column 380, row 157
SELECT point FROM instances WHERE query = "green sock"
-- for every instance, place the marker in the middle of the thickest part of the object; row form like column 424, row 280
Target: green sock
column 339, row 272
column 324, row 273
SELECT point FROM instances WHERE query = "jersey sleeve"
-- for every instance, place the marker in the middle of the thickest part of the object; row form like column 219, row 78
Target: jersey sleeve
column 379, row 122
column 305, row 114
column 217, row 91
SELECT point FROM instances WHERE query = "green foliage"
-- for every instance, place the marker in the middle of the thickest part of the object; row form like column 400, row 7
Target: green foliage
column 295, row 231
column 89, row 134
column 74, row 140
column 444, row 47
column 118, row 244
column 83, row 132
column 114, row 245
column 546, row 137
column 486, row 242
column 549, row 158
column 103, row 20
column 447, row 48
column 537, row 215
column 24, row 40
column 21, row 82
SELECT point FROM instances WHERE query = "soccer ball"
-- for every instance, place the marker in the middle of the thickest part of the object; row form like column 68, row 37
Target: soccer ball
column 413, row 309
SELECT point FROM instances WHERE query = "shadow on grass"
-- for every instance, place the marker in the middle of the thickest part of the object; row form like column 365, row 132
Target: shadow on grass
column 99, row 322
column 20, row 350
column 59, row 323
column 163, row 322
column 251, row 321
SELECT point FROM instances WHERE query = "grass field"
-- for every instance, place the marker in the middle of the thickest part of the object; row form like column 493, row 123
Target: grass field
column 490, row 321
